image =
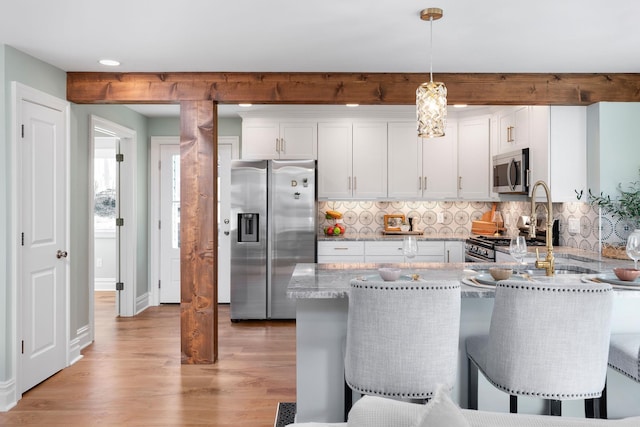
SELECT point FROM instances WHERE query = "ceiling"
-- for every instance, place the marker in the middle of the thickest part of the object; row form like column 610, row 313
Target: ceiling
column 327, row 35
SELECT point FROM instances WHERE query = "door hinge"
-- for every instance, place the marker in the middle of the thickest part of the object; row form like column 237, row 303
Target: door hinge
column 159, row 286
column 119, row 286
column 22, row 239
column 22, row 131
column 119, row 222
column 119, row 157
column 22, row 346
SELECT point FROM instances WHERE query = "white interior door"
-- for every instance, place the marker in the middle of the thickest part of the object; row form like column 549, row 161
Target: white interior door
column 224, row 210
column 169, row 223
column 44, row 264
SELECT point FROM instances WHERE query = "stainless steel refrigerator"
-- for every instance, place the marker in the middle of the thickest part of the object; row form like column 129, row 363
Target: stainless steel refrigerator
column 273, row 227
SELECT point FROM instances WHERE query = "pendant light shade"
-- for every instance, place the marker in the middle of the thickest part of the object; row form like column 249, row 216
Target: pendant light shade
column 431, row 97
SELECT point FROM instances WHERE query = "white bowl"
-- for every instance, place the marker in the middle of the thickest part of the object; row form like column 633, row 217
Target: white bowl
column 389, row 274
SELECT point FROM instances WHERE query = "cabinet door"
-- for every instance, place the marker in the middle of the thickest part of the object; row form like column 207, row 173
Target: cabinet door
column 369, row 160
column 404, row 161
column 298, row 140
column 453, row 251
column 568, row 152
column 260, row 139
column 440, row 165
column 329, row 252
column 473, row 159
column 430, row 251
column 334, row 160
column 380, row 252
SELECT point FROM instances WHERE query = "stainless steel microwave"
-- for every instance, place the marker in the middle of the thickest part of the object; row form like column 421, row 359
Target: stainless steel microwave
column 511, row 172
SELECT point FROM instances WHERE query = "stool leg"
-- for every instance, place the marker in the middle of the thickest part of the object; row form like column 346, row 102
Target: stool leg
column 589, row 408
column 348, row 400
column 601, row 408
column 513, row 404
column 472, row 385
column 555, row 407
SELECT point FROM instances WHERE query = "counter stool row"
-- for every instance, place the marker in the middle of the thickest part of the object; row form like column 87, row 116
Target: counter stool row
column 547, row 340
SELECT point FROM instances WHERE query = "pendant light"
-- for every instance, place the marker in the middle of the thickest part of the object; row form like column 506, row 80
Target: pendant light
column 431, row 97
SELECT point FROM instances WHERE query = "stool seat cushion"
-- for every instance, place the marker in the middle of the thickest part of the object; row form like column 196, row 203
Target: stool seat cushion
column 624, row 354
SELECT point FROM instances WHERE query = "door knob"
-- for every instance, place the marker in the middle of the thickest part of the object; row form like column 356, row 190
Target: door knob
column 226, row 233
column 226, row 221
column 61, row 254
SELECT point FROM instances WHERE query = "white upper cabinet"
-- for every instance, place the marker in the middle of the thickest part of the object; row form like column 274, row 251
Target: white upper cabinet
column 275, row 139
column 558, row 150
column 352, row 160
column 440, row 165
column 404, row 159
column 369, row 159
column 474, row 159
column 513, row 129
column 335, row 160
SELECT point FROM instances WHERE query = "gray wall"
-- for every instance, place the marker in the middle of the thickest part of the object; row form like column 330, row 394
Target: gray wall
column 5, row 300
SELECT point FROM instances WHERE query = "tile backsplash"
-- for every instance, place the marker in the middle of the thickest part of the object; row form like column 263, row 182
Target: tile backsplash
column 367, row 218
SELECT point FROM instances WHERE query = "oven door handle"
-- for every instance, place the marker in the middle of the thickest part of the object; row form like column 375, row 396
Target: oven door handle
column 472, row 258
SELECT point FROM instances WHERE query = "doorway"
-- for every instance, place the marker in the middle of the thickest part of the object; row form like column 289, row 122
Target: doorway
column 165, row 219
column 119, row 209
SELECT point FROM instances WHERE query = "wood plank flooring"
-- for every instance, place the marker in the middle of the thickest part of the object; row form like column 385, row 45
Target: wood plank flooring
column 132, row 376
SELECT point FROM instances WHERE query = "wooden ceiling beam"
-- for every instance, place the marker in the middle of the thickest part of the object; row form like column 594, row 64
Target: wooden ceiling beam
column 342, row 88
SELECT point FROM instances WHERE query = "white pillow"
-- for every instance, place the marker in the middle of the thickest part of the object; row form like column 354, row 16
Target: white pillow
column 374, row 411
column 441, row 411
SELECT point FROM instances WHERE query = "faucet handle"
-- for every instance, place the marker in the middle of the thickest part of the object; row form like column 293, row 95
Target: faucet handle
column 537, row 255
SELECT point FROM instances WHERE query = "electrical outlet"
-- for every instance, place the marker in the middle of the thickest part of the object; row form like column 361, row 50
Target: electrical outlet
column 440, row 217
column 574, row 225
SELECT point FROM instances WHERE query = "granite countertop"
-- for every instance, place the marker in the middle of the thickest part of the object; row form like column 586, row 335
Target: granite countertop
column 326, row 281
column 354, row 237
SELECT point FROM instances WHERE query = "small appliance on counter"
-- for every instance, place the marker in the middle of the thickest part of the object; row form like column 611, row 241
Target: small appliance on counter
column 273, row 227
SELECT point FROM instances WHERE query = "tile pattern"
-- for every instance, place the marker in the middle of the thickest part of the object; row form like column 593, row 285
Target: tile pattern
column 367, row 217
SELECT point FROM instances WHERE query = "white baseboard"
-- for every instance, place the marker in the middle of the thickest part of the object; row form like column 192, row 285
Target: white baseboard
column 104, row 284
column 82, row 340
column 8, row 395
column 143, row 302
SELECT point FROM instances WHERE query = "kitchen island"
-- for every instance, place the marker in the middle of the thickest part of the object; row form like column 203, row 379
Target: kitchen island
column 321, row 293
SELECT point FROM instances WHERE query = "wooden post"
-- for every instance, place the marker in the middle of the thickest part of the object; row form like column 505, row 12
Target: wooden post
column 198, row 232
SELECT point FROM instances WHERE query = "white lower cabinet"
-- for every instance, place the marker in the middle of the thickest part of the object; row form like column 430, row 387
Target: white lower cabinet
column 453, row 251
column 389, row 251
column 340, row 251
column 383, row 251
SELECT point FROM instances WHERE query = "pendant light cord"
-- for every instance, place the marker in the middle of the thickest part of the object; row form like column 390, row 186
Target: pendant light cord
column 431, row 48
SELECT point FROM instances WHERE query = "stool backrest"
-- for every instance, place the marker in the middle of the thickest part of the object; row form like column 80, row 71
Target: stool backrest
column 550, row 339
column 402, row 337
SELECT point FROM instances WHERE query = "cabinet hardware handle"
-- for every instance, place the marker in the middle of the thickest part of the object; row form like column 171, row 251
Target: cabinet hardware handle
column 355, row 184
column 277, row 145
column 283, row 145
column 419, row 183
column 340, row 249
column 425, row 183
column 448, row 255
column 459, row 183
column 349, row 180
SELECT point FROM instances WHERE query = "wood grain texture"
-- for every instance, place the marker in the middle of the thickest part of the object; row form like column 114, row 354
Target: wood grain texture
column 341, row 88
column 132, row 376
column 198, row 231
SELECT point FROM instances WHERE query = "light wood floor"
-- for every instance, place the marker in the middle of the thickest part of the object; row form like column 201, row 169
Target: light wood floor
column 132, row 376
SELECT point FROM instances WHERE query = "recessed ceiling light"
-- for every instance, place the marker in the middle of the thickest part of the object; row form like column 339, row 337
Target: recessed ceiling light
column 353, row 105
column 109, row 62
column 245, row 105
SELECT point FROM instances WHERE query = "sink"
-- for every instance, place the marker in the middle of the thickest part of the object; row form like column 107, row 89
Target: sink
column 562, row 270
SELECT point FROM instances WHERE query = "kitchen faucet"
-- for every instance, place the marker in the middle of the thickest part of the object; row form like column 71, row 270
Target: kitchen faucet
column 548, row 263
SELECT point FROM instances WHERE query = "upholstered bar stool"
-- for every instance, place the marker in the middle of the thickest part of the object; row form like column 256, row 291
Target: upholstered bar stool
column 402, row 338
column 624, row 357
column 546, row 340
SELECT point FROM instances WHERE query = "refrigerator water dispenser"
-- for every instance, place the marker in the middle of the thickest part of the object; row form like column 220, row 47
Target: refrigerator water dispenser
column 248, row 225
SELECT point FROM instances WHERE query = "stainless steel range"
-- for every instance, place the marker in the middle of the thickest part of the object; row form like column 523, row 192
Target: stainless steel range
column 483, row 248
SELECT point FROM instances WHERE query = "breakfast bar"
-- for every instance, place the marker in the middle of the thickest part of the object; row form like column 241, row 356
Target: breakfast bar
column 321, row 293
